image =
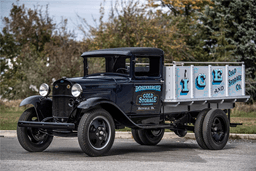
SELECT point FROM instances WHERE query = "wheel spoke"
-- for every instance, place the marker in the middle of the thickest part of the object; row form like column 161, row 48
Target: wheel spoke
column 215, row 136
column 215, row 122
column 95, row 123
column 98, row 143
column 106, row 136
column 98, row 123
column 218, row 136
column 105, row 127
column 218, row 124
column 92, row 135
column 217, row 130
column 31, row 131
column 221, row 135
column 30, row 135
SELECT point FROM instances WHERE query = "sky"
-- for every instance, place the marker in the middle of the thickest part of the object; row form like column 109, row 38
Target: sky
column 63, row 8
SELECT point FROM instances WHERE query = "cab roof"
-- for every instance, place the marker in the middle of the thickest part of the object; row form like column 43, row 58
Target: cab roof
column 125, row 51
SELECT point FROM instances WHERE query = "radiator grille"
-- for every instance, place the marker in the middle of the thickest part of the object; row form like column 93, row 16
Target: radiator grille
column 61, row 98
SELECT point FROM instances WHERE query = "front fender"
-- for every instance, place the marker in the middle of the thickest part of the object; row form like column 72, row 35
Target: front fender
column 43, row 106
column 116, row 113
column 31, row 100
column 90, row 103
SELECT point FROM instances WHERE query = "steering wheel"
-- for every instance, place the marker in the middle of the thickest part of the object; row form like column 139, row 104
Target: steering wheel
column 122, row 70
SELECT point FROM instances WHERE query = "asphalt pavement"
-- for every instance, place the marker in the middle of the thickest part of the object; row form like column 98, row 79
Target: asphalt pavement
column 126, row 154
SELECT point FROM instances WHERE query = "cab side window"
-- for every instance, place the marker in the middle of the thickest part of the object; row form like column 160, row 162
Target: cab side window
column 147, row 66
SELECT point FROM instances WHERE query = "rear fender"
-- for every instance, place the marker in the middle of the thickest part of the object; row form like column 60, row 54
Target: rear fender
column 43, row 106
column 116, row 113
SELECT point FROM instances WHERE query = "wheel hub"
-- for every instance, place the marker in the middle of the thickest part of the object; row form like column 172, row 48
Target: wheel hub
column 35, row 134
column 156, row 132
column 99, row 133
column 39, row 137
column 217, row 130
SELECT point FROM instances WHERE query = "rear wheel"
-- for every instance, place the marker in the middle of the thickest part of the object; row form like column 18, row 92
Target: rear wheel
column 198, row 129
column 216, row 129
column 32, row 139
column 151, row 136
column 135, row 135
column 96, row 132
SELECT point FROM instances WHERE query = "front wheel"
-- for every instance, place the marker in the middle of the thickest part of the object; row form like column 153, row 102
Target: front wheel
column 151, row 136
column 32, row 139
column 96, row 132
column 215, row 129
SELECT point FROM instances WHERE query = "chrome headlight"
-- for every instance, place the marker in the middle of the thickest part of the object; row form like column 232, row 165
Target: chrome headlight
column 76, row 90
column 44, row 90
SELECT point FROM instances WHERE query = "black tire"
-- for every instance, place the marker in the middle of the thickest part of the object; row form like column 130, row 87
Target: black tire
column 151, row 136
column 198, row 129
column 136, row 136
column 96, row 132
column 216, row 129
column 31, row 139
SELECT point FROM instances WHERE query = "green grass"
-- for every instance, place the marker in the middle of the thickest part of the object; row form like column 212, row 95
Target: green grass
column 243, row 129
column 125, row 129
column 248, row 127
column 244, row 110
column 244, row 114
column 9, row 118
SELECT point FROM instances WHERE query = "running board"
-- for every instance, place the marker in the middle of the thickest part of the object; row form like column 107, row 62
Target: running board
column 148, row 126
column 165, row 126
column 46, row 125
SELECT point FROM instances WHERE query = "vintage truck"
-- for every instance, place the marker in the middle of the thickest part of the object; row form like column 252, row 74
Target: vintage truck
column 131, row 87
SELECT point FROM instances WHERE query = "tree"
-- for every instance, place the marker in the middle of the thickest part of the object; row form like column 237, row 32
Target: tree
column 185, row 12
column 132, row 25
column 230, row 28
column 180, row 7
column 242, row 21
column 215, row 31
column 63, row 55
column 34, row 51
column 22, row 41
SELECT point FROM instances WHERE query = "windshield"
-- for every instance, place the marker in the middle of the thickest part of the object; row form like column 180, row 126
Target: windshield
column 113, row 64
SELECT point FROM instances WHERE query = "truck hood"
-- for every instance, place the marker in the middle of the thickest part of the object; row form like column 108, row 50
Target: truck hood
column 98, row 80
column 99, row 86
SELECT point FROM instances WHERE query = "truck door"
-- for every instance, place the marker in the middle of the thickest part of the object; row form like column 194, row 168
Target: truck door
column 147, row 98
column 147, row 90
